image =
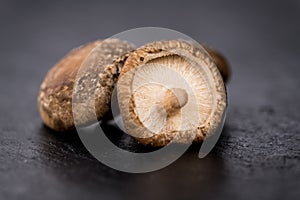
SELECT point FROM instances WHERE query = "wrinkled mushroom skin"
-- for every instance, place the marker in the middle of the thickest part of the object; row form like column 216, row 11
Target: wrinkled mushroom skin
column 143, row 114
column 55, row 96
column 54, row 100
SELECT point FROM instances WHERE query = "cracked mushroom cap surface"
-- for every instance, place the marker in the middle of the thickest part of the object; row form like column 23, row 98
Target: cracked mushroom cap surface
column 171, row 91
column 100, row 61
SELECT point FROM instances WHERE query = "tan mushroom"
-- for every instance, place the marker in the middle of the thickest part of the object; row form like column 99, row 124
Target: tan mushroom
column 171, row 91
column 102, row 61
column 105, row 59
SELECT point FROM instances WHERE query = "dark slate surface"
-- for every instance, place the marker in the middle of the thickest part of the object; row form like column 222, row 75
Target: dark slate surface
column 258, row 154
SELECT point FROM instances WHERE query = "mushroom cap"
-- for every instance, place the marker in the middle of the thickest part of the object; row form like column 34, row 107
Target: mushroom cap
column 221, row 62
column 98, row 60
column 171, row 91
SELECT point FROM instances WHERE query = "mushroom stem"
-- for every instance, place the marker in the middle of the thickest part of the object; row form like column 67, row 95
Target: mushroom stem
column 172, row 99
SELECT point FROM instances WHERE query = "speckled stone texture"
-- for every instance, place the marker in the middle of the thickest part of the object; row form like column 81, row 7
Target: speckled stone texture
column 258, row 154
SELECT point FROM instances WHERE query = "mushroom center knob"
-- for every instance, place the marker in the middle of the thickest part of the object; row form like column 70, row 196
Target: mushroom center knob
column 172, row 99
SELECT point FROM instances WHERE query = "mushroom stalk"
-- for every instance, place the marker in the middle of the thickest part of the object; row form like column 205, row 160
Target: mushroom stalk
column 172, row 99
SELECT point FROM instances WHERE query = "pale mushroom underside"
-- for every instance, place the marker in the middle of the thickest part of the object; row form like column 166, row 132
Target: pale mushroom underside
column 145, row 84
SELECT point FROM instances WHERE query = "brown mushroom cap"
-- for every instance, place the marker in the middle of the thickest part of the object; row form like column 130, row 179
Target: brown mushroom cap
column 221, row 62
column 104, row 64
column 171, row 91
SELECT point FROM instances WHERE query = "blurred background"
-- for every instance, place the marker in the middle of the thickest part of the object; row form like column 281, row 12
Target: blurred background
column 258, row 154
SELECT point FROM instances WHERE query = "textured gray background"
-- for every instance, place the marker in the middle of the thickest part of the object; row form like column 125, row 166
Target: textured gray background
column 258, row 154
